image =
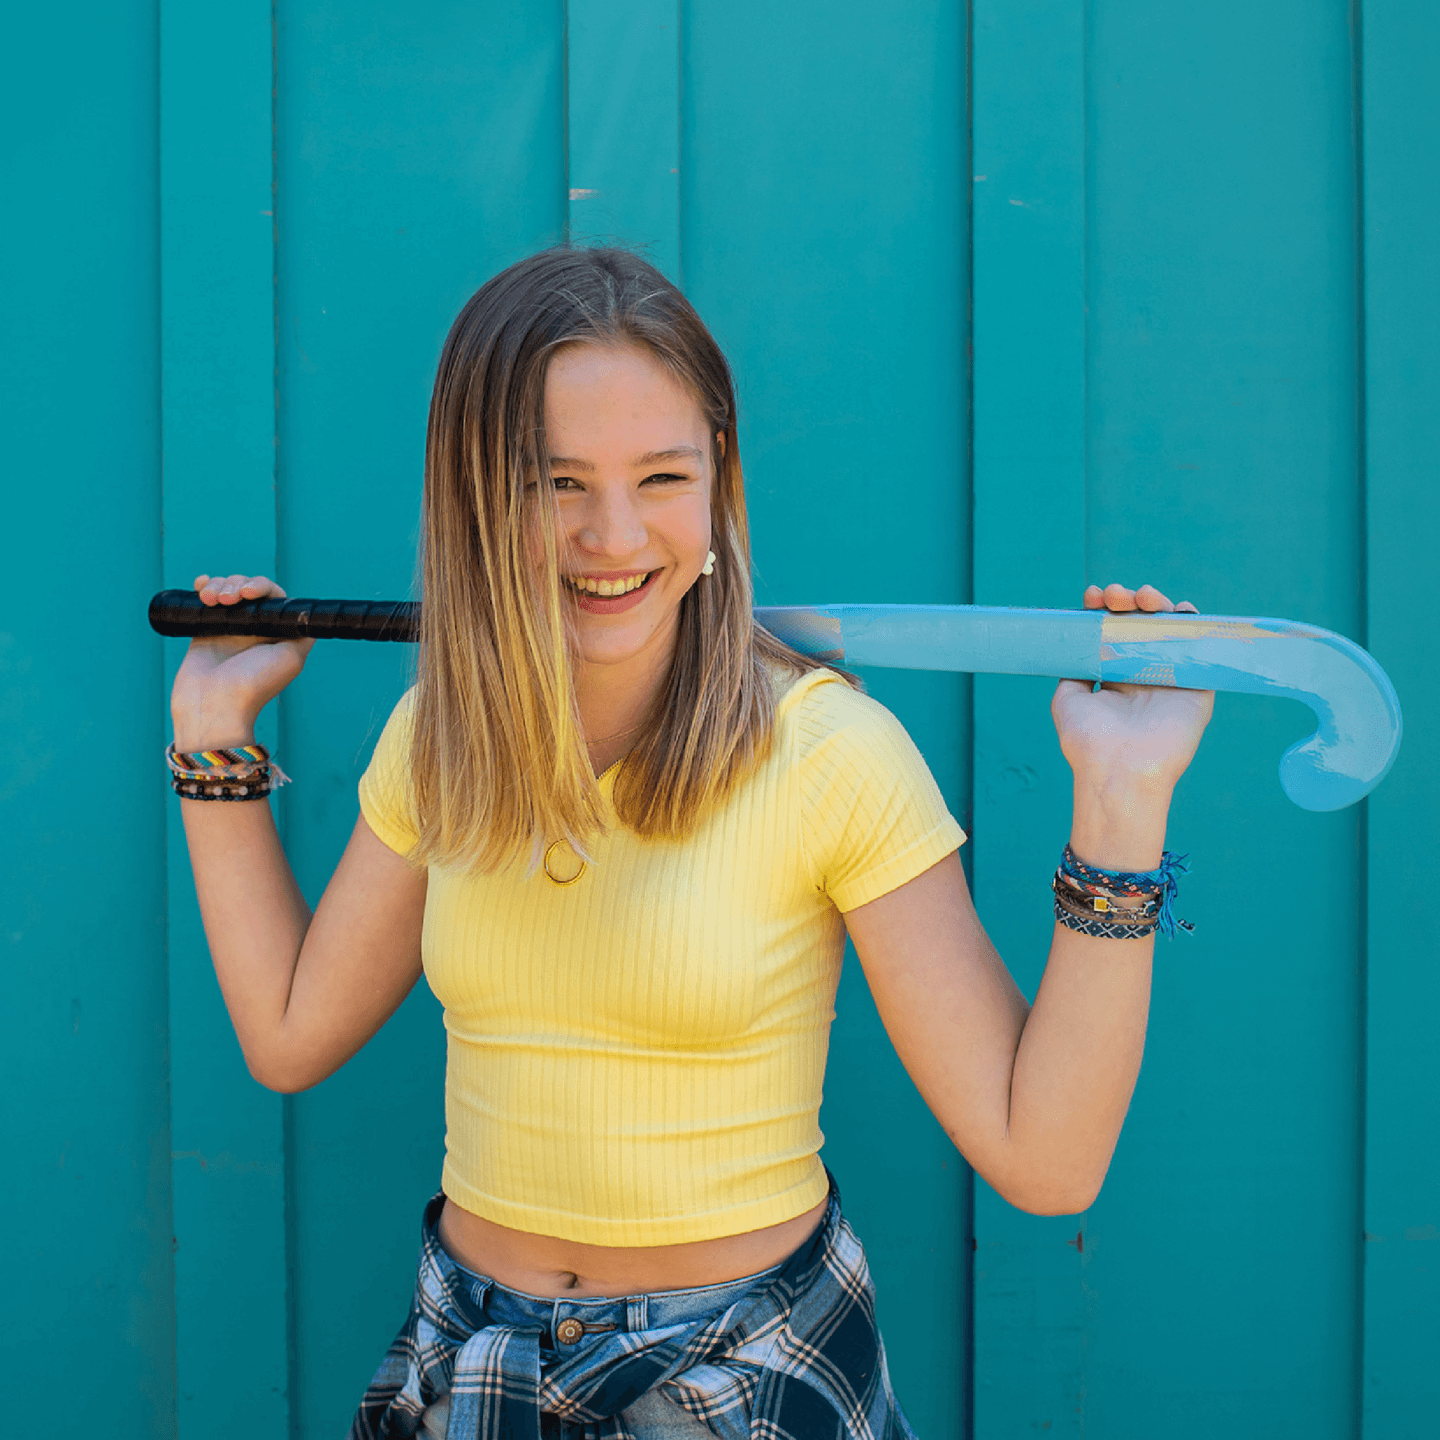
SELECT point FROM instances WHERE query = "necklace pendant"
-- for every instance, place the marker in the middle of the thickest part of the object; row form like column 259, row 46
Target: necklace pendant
column 557, row 873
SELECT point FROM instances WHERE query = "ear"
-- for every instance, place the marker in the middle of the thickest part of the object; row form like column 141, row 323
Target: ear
column 720, row 441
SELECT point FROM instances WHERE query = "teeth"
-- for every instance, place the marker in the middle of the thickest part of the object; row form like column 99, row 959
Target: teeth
column 608, row 588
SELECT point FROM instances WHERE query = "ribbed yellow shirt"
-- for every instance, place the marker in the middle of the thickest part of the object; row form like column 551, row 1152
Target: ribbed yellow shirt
column 637, row 1058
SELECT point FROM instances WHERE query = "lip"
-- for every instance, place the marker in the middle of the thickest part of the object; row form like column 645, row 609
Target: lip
column 611, row 604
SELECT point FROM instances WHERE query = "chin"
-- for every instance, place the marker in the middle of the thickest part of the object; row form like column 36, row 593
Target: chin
column 611, row 653
column 605, row 645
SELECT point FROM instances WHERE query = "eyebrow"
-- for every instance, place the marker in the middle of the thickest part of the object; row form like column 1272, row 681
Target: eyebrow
column 680, row 452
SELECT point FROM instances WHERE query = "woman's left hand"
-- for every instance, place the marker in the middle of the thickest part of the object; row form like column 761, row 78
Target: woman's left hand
column 1130, row 733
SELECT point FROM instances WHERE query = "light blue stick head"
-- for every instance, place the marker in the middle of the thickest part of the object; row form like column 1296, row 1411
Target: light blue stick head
column 1358, row 713
column 1358, row 735
column 1358, row 730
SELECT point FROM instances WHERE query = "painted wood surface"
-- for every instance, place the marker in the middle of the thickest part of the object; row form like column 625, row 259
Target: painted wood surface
column 1176, row 264
column 849, row 236
column 84, row 1119
column 1400, row 1382
column 217, row 408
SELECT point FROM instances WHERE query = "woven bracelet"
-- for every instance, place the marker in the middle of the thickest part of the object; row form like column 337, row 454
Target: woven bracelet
column 1101, row 929
column 216, row 763
column 1133, row 883
column 244, row 772
column 1098, row 907
column 1126, row 927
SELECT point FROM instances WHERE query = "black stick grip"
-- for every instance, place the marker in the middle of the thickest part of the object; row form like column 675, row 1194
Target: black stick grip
column 182, row 612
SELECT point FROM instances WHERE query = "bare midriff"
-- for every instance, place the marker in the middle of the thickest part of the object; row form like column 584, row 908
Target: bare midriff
column 551, row 1267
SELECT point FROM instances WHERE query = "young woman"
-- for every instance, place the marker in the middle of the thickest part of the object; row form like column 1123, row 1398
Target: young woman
column 635, row 830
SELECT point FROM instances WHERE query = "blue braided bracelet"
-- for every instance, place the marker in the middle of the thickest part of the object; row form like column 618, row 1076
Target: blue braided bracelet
column 1131, row 882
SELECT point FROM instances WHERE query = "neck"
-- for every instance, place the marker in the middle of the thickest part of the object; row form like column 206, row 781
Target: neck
column 614, row 698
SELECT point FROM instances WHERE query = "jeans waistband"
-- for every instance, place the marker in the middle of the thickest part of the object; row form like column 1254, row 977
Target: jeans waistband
column 564, row 1321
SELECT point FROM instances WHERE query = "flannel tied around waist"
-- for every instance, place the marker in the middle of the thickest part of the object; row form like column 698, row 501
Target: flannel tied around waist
column 797, row 1357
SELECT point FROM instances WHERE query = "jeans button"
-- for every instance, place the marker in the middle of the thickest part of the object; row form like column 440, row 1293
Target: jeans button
column 569, row 1330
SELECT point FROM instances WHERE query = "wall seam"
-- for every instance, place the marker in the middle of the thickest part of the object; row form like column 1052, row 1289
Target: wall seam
column 1086, row 13
column 1087, row 1254
column 565, row 116
column 167, row 815
column 967, row 1189
column 1362, row 982
column 287, row 1102
column 679, row 144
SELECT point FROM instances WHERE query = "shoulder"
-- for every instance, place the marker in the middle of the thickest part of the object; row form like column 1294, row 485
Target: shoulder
column 401, row 718
column 404, row 709
column 396, row 735
column 872, row 816
column 385, row 791
column 823, row 711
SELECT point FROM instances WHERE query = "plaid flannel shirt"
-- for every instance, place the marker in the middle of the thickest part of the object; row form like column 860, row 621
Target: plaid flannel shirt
column 799, row 1357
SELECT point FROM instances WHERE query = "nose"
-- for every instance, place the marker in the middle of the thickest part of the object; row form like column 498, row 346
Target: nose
column 611, row 524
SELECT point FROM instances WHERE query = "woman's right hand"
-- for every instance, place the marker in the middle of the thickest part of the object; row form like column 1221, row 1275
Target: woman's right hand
column 226, row 680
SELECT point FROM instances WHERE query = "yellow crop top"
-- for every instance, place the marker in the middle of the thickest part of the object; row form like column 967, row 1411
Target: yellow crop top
column 637, row 1058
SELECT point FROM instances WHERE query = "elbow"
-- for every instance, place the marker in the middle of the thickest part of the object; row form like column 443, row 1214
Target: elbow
column 1075, row 1204
column 274, row 1074
column 287, row 1060
column 1048, row 1194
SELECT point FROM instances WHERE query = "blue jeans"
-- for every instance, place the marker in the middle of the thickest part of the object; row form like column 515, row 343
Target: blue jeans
column 652, row 1416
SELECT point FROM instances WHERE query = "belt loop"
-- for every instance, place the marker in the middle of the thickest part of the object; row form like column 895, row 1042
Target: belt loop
column 637, row 1312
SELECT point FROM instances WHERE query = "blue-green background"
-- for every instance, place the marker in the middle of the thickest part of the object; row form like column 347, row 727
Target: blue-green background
column 1019, row 296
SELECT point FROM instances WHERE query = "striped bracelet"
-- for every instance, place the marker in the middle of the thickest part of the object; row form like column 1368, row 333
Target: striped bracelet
column 243, row 772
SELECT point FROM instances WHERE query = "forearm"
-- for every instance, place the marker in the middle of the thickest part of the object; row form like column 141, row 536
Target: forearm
column 254, row 915
column 1079, row 1052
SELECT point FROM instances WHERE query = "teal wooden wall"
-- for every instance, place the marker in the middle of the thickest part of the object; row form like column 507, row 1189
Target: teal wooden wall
column 1019, row 296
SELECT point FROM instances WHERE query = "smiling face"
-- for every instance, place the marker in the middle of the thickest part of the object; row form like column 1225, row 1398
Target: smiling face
column 630, row 454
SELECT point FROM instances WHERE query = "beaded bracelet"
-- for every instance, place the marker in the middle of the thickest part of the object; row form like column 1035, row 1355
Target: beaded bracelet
column 1158, row 885
column 216, row 790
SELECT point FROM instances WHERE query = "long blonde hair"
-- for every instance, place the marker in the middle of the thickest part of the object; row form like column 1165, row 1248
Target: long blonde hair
column 498, row 761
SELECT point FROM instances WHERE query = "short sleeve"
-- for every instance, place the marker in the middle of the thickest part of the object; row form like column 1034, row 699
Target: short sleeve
column 873, row 816
column 385, row 785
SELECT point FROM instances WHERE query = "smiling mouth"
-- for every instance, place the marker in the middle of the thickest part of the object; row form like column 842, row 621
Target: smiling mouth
column 608, row 589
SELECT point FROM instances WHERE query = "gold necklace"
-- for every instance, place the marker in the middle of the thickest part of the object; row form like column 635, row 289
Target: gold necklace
column 619, row 734
column 556, row 844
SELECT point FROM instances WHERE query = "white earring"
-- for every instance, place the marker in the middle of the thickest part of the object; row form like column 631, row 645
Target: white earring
column 709, row 563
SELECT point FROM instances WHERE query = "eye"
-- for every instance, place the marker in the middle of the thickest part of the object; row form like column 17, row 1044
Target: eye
column 664, row 479
column 564, row 482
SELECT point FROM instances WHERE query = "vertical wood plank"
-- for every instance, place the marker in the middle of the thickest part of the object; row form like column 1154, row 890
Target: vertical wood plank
column 419, row 153
column 824, row 234
column 1029, row 549
column 1401, row 1380
column 623, row 125
column 1223, row 463
column 218, row 427
column 85, row 1271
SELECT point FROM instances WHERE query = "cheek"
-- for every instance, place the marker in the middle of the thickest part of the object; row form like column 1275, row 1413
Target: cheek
column 535, row 539
column 698, row 526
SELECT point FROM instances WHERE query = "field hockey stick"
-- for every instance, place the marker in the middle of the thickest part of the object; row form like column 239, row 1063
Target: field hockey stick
column 1356, row 709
